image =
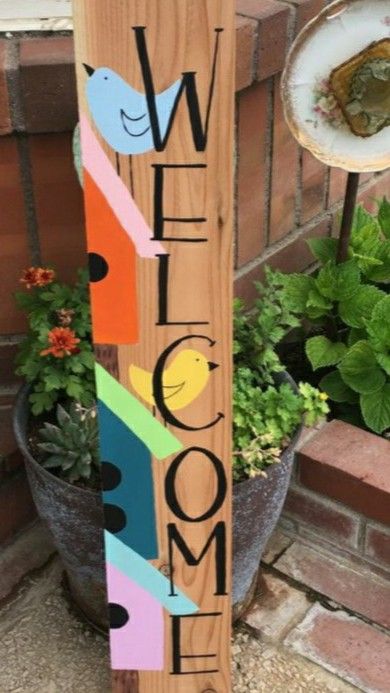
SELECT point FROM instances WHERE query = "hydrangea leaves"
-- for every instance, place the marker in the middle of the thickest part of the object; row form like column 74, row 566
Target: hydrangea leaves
column 353, row 316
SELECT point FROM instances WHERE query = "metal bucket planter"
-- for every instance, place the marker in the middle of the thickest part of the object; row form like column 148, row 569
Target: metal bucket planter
column 257, row 505
column 74, row 517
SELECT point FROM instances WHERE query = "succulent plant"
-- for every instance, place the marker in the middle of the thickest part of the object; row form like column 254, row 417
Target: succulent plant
column 73, row 444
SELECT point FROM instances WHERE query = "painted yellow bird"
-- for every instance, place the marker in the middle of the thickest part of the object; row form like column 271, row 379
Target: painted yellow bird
column 183, row 380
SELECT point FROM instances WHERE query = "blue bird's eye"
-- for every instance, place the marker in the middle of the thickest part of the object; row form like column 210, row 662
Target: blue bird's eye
column 106, row 78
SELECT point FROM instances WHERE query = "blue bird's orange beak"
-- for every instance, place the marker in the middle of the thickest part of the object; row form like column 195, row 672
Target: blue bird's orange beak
column 89, row 70
column 212, row 366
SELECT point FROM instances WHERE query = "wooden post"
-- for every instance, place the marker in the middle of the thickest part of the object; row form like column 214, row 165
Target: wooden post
column 156, row 88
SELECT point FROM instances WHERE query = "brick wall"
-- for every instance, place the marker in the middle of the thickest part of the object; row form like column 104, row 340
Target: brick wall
column 283, row 195
column 339, row 498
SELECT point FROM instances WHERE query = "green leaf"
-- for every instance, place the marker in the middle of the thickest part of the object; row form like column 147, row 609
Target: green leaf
column 366, row 263
column 77, row 158
column 297, row 288
column 339, row 282
column 376, row 409
column 363, row 220
column 382, row 273
column 321, row 352
column 323, row 249
column 360, row 370
column 356, row 335
column 335, row 387
column 359, row 307
column 378, row 327
column 384, row 361
column 384, row 217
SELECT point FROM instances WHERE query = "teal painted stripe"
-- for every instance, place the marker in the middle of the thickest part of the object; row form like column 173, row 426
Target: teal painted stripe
column 141, row 422
column 146, row 576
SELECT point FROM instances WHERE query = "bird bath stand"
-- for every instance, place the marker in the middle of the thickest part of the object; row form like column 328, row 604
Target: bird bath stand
column 156, row 88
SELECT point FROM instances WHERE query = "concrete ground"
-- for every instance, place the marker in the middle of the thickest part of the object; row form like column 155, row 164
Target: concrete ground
column 44, row 648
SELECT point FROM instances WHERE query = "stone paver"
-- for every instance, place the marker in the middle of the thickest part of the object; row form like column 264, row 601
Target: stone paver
column 264, row 668
column 30, row 550
column 277, row 609
column 278, row 543
column 346, row 646
column 357, row 589
column 44, row 648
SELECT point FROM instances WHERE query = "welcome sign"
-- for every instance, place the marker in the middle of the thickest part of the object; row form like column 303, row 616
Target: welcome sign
column 156, row 87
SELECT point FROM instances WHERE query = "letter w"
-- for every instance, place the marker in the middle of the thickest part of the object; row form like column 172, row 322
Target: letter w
column 188, row 85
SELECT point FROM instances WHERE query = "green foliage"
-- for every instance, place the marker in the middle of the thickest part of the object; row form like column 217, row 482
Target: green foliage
column 70, row 376
column 257, row 333
column 265, row 416
column 348, row 304
column 322, row 352
column 71, row 446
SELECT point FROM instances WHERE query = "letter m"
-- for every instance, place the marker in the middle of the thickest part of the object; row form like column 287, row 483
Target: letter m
column 219, row 535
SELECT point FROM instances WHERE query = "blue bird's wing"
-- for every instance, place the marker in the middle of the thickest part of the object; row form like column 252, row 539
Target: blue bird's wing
column 121, row 113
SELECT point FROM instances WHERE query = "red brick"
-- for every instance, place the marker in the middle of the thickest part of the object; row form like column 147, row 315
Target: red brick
column 324, row 516
column 350, row 465
column 277, row 608
column 7, row 438
column 273, row 18
column 292, row 257
column 305, row 11
column 14, row 251
column 348, row 584
column 58, row 203
column 284, row 173
column 337, row 186
column 346, row 646
column 5, row 115
column 253, row 112
column 377, row 543
column 48, row 84
column 16, row 506
column 7, row 364
column 245, row 56
column 378, row 187
column 314, row 176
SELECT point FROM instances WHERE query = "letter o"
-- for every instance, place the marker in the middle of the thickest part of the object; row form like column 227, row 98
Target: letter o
column 170, row 491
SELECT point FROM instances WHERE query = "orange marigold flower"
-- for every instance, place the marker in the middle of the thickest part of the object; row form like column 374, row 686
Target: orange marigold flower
column 29, row 277
column 37, row 276
column 63, row 342
column 44, row 276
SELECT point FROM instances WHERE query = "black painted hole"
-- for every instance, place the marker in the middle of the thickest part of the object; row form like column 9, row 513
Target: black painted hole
column 118, row 616
column 115, row 518
column 98, row 267
column 111, row 476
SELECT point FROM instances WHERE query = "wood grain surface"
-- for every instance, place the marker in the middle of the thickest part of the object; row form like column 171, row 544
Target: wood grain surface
column 181, row 37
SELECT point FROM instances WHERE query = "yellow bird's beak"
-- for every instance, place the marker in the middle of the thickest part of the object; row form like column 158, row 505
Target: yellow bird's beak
column 212, row 366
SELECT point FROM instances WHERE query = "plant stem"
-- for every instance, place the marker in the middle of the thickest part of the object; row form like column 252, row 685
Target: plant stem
column 347, row 219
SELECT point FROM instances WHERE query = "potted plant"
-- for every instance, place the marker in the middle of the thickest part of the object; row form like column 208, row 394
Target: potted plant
column 56, row 428
column 269, row 410
column 345, row 309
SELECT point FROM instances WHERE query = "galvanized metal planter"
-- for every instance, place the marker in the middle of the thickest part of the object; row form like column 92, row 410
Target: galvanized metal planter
column 75, row 518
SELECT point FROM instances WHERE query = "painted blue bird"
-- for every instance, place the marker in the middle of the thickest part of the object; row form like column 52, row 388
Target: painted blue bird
column 121, row 113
